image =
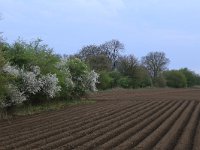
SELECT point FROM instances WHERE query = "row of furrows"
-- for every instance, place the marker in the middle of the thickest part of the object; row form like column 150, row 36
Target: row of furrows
column 129, row 130
column 142, row 125
column 140, row 135
column 51, row 115
column 177, row 132
column 55, row 123
column 58, row 117
column 60, row 127
column 108, row 96
column 6, row 122
column 45, row 116
column 169, row 140
column 93, row 132
column 107, row 132
column 175, row 128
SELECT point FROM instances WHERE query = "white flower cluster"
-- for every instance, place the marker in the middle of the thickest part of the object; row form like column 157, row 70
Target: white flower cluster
column 62, row 66
column 31, row 82
column 14, row 96
column 92, row 79
column 50, row 86
column 12, row 70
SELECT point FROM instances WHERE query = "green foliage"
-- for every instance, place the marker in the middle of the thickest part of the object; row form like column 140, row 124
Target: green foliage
column 175, row 79
column 124, row 82
column 77, row 68
column 79, row 71
column 160, row 81
column 142, row 78
column 191, row 77
column 30, row 54
column 3, row 78
column 115, row 75
column 105, row 80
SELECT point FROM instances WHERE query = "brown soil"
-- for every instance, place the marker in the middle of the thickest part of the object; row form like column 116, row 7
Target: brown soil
column 160, row 119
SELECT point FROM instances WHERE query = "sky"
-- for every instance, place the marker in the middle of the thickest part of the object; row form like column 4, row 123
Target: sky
column 171, row 26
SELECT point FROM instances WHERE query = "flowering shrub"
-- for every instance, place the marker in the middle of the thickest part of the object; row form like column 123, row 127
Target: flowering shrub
column 77, row 77
column 92, row 80
column 12, row 70
column 50, row 85
column 29, row 83
column 71, row 80
column 12, row 97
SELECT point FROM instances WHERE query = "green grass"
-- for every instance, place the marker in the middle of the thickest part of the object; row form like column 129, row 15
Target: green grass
column 54, row 105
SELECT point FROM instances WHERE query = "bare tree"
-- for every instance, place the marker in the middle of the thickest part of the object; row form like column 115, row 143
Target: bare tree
column 155, row 63
column 113, row 47
column 90, row 51
column 127, row 65
column 97, row 58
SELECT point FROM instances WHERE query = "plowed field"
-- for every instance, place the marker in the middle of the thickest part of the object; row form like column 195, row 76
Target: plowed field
column 160, row 119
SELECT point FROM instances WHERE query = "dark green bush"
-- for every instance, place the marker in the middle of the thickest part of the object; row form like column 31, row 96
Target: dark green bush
column 105, row 81
column 175, row 79
column 124, row 82
column 160, row 81
column 191, row 77
column 115, row 75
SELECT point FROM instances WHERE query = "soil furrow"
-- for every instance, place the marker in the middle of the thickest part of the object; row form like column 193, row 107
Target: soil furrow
column 126, row 132
column 53, row 123
column 55, row 116
column 113, row 132
column 168, row 142
column 196, row 142
column 150, row 141
column 101, row 128
column 187, row 137
column 59, row 130
column 140, row 135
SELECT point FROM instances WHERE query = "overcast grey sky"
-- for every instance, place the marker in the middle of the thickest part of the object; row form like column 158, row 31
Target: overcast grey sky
column 172, row 26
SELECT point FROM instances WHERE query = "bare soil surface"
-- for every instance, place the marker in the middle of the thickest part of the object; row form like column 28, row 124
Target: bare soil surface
column 145, row 119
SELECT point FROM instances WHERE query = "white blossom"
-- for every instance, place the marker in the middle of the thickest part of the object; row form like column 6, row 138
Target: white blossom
column 50, row 85
column 36, row 70
column 31, row 83
column 14, row 96
column 12, row 70
column 92, row 79
column 62, row 66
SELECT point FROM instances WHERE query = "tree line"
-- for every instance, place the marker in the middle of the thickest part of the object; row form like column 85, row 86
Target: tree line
column 30, row 72
column 118, row 70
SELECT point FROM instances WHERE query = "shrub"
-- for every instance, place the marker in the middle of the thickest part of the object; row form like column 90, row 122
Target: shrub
column 160, row 81
column 124, row 82
column 23, row 54
column 191, row 77
column 12, row 96
column 105, row 81
column 31, row 83
column 115, row 75
column 79, row 71
column 92, row 80
column 65, row 79
column 175, row 79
